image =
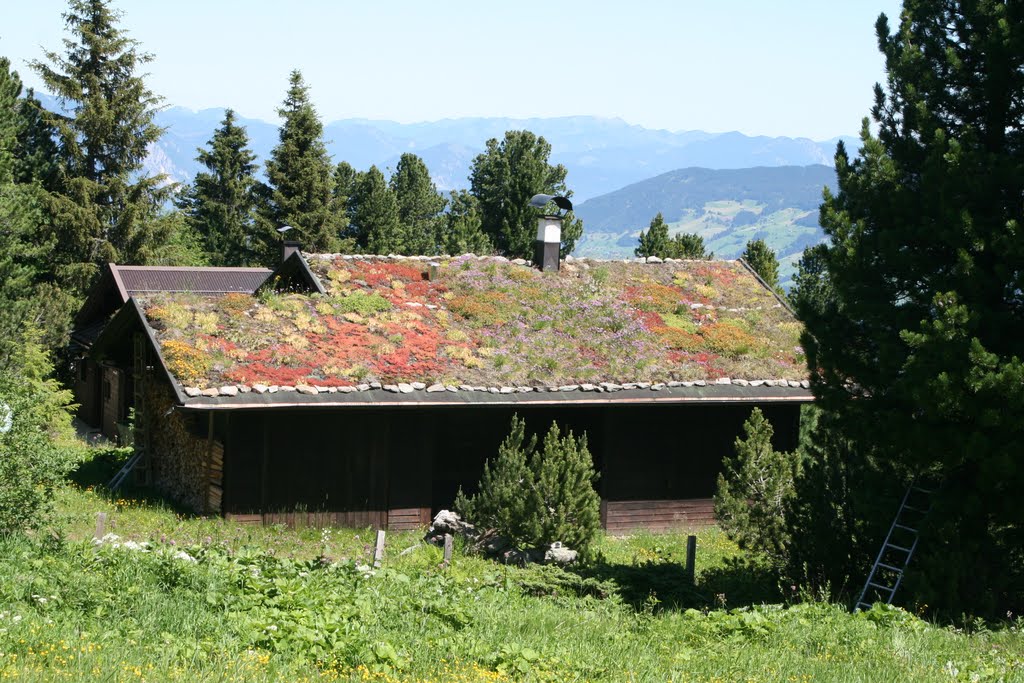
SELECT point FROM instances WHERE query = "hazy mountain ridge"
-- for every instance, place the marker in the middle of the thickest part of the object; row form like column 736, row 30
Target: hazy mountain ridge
column 727, row 207
column 601, row 154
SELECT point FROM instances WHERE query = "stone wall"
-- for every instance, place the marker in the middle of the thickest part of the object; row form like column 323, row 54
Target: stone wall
column 179, row 459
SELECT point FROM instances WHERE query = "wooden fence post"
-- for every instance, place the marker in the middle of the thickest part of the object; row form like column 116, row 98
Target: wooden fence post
column 691, row 557
column 378, row 551
column 449, row 544
column 101, row 524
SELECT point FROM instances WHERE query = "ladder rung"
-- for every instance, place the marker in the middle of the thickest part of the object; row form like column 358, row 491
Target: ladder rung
column 889, row 567
column 915, row 509
column 863, row 604
column 921, row 490
column 881, row 587
column 897, row 547
column 905, row 527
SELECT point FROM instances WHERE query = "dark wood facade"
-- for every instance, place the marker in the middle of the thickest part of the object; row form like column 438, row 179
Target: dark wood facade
column 395, row 467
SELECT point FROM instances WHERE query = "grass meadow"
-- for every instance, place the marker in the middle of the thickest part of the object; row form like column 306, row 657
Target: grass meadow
column 173, row 597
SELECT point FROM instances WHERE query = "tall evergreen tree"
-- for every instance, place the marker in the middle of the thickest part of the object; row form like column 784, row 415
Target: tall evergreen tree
column 913, row 338
column 461, row 227
column 419, row 205
column 221, row 203
column 504, row 178
column 300, row 180
column 762, row 259
column 28, row 298
column 375, row 215
column 103, row 207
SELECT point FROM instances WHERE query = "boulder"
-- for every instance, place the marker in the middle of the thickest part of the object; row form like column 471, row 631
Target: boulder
column 559, row 554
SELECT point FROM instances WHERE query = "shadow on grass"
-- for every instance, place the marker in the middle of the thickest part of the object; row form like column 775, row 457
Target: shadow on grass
column 665, row 585
column 101, row 464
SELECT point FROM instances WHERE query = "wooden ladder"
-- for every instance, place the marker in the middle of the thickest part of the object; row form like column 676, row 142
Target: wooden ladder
column 897, row 549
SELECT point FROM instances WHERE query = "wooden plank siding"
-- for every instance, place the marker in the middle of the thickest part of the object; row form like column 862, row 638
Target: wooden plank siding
column 625, row 516
column 408, row 519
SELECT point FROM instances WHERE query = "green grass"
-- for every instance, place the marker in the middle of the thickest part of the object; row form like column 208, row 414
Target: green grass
column 261, row 604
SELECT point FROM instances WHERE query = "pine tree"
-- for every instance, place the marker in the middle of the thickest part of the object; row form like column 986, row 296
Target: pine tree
column 754, row 489
column 504, row 178
column 564, row 505
column 913, row 335
column 461, row 228
column 419, row 205
column 762, row 259
column 501, row 503
column 300, row 181
column 537, row 496
column 375, row 216
column 221, row 203
column 654, row 242
column 103, row 206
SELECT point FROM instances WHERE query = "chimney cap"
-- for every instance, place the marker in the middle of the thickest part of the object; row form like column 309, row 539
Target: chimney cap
column 541, row 200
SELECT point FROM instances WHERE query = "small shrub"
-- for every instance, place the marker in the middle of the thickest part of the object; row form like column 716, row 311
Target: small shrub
column 754, row 489
column 361, row 303
column 536, row 496
column 185, row 362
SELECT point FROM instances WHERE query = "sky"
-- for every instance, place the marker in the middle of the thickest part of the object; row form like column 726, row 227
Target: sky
column 797, row 68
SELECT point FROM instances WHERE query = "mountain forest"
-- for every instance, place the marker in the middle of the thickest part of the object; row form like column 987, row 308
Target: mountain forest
column 903, row 261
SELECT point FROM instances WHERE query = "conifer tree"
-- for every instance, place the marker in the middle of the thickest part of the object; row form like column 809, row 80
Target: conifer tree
column 300, row 180
column 537, row 496
column 221, row 203
column 564, row 505
column 419, row 205
column 375, row 215
column 913, row 335
column 655, row 241
column 504, row 178
column 103, row 206
column 461, row 229
column 754, row 489
column 762, row 259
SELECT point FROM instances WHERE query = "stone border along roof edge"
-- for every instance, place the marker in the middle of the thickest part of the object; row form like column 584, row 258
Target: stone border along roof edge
column 409, row 387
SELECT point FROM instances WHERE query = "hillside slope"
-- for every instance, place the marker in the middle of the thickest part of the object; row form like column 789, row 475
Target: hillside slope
column 725, row 207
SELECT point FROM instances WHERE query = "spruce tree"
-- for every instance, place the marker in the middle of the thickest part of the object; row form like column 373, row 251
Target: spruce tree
column 300, row 181
column 221, row 203
column 375, row 216
column 461, row 228
column 913, row 335
column 102, row 209
column 504, row 178
column 762, row 259
column 28, row 295
column 419, row 205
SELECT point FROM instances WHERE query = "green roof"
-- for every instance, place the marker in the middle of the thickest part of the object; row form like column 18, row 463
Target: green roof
column 484, row 322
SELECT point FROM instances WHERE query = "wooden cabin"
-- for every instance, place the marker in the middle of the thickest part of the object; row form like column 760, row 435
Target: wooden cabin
column 103, row 390
column 364, row 391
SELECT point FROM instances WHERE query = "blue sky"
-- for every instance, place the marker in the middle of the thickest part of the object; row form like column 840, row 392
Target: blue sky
column 796, row 68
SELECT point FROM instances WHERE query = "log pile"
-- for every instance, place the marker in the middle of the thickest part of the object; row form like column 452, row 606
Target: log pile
column 180, row 461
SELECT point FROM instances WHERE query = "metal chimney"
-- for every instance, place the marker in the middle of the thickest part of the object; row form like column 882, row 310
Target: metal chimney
column 549, row 241
column 289, row 247
column 549, row 232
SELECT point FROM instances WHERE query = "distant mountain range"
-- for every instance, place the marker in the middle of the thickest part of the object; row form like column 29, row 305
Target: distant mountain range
column 600, row 154
column 728, row 187
column 725, row 207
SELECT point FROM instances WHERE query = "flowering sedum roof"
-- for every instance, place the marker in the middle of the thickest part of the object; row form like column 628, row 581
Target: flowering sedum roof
column 484, row 322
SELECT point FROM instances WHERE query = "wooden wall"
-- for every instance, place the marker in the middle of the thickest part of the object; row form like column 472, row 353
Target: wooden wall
column 395, row 468
column 86, row 388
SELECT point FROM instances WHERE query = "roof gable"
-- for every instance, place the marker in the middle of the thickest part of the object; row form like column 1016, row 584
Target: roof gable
column 486, row 323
